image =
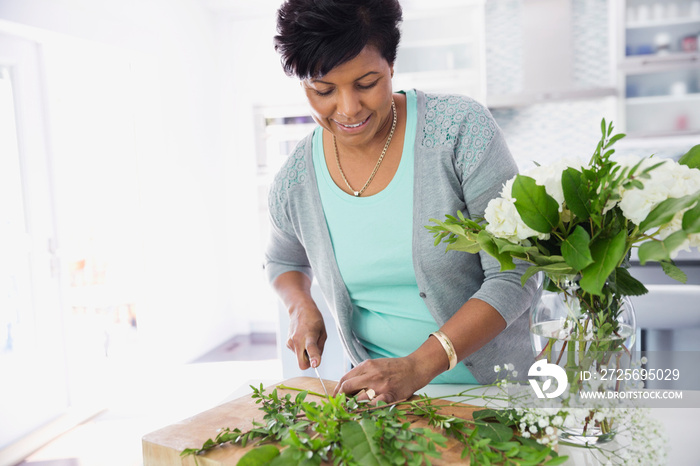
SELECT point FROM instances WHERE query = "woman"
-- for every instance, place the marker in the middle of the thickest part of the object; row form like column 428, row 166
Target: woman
column 351, row 203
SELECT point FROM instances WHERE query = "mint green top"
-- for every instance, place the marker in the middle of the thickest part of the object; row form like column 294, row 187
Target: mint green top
column 372, row 242
column 461, row 161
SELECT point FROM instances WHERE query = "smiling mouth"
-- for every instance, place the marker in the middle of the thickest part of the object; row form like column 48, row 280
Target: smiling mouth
column 357, row 125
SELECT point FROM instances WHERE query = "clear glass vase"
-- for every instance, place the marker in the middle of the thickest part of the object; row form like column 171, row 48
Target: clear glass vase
column 592, row 339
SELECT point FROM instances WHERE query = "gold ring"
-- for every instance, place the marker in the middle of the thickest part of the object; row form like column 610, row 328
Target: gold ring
column 370, row 394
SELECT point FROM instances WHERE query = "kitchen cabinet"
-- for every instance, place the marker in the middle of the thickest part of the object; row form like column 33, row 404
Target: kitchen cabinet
column 442, row 48
column 659, row 67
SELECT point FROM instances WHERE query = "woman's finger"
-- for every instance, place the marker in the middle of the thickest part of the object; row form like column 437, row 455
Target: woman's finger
column 313, row 352
column 386, row 398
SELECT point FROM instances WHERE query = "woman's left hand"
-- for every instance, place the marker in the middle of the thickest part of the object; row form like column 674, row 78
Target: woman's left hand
column 392, row 379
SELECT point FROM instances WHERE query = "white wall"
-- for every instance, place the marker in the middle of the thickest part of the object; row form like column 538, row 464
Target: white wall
column 195, row 187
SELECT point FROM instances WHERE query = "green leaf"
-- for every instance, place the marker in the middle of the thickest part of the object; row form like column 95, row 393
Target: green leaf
column 259, row 455
column 539, row 210
column 358, row 437
column 627, row 285
column 487, row 243
column 691, row 220
column 464, row 244
column 607, row 253
column 575, row 249
column 530, row 443
column 661, row 250
column 543, row 259
column 556, row 461
column 501, row 415
column 495, row 431
column 674, row 272
column 571, row 183
column 559, row 268
column 513, row 248
column 614, row 139
column 691, row 158
column 664, row 212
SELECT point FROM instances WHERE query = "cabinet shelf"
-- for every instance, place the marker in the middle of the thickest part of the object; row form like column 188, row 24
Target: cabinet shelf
column 663, row 135
column 663, row 99
column 647, row 63
column 663, row 23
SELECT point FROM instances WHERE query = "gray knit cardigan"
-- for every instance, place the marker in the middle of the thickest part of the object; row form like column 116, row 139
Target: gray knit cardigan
column 461, row 162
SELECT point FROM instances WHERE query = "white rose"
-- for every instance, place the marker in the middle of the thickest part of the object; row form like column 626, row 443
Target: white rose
column 669, row 180
column 549, row 176
column 505, row 222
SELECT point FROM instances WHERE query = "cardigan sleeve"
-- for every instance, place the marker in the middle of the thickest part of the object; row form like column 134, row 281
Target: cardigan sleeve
column 482, row 179
column 285, row 251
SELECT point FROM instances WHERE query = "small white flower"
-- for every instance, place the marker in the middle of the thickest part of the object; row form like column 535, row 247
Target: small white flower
column 497, row 368
column 526, row 434
column 549, row 430
column 644, row 360
column 515, row 373
column 533, row 429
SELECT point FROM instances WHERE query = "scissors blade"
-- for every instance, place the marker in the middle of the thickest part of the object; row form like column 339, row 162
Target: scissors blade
column 322, row 384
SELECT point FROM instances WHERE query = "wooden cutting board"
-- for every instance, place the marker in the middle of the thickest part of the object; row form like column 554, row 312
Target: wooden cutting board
column 163, row 447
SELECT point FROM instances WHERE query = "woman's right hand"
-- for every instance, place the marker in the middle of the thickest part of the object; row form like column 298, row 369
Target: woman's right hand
column 307, row 334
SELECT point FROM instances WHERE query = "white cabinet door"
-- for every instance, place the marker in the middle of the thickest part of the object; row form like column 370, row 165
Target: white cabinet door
column 660, row 67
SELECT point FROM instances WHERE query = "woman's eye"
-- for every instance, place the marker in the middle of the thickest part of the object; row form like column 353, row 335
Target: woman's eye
column 368, row 86
column 323, row 93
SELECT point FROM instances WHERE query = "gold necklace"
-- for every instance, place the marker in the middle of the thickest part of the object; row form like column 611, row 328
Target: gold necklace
column 379, row 162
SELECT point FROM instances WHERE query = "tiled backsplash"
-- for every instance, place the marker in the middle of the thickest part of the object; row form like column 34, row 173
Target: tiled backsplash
column 545, row 132
column 504, row 55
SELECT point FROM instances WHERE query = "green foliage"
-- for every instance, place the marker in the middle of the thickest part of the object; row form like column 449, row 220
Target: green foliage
column 661, row 250
column 259, row 455
column 576, row 195
column 691, row 158
column 539, row 210
column 674, row 272
column 607, row 254
column 624, row 284
column 576, row 249
column 691, row 220
column 664, row 212
column 344, row 431
column 591, row 237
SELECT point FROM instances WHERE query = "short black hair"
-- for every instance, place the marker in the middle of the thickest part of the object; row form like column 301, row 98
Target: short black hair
column 315, row 36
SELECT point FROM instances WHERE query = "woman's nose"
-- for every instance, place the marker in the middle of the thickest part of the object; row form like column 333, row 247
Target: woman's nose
column 348, row 105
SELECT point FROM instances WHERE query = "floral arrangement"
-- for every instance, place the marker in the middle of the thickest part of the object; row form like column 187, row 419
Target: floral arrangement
column 572, row 218
column 577, row 222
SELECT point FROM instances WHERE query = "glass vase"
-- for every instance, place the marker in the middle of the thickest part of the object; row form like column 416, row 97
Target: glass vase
column 592, row 339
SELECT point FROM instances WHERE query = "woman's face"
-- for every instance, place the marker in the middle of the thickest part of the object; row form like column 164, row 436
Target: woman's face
column 353, row 100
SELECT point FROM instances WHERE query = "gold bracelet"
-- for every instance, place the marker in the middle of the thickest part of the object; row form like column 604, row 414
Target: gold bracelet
column 448, row 347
